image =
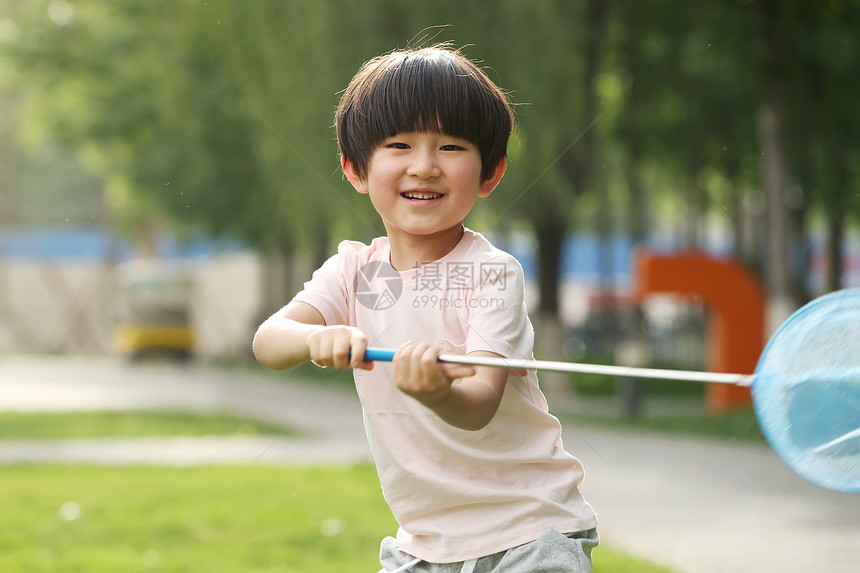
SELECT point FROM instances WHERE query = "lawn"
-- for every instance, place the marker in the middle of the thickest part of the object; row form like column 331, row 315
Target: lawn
column 231, row 519
column 124, row 424
column 235, row 519
column 735, row 426
column 215, row 519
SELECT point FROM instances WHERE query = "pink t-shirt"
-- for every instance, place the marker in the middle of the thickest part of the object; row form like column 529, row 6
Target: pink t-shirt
column 457, row 494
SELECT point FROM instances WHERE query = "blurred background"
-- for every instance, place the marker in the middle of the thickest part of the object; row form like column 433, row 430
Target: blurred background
column 175, row 159
column 169, row 177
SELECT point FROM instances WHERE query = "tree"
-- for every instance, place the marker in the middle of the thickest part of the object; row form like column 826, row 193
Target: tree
column 219, row 118
column 825, row 121
column 102, row 80
column 550, row 69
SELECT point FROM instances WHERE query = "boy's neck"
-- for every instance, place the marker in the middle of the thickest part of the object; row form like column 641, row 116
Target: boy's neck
column 410, row 251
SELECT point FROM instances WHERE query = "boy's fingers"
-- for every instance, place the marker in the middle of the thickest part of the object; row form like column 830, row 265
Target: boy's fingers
column 427, row 356
column 404, row 348
column 457, row 370
column 340, row 354
column 356, row 353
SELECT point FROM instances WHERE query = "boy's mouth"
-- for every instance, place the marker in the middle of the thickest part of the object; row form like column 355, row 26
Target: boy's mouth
column 421, row 195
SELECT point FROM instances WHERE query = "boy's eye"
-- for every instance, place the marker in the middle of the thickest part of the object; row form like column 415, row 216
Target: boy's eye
column 451, row 147
column 397, row 145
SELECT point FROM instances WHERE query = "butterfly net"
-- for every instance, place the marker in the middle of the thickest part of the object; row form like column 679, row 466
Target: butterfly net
column 807, row 391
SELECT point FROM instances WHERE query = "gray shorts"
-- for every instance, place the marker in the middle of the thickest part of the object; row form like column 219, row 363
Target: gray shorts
column 552, row 552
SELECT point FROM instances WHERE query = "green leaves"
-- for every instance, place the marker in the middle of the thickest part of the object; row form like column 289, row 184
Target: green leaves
column 216, row 115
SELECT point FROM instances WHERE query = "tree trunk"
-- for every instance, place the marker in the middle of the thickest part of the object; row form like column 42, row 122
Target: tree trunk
column 631, row 391
column 276, row 280
column 772, row 138
column 550, row 232
column 551, row 228
column 736, row 216
column 835, row 232
column 777, row 277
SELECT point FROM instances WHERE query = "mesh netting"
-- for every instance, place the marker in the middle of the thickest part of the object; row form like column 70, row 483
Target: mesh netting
column 807, row 391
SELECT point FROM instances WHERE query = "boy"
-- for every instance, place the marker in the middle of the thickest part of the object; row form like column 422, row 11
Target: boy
column 470, row 461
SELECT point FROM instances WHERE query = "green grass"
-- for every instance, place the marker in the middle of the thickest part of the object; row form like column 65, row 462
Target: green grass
column 607, row 560
column 601, row 385
column 126, row 424
column 736, row 426
column 230, row 519
column 214, row 519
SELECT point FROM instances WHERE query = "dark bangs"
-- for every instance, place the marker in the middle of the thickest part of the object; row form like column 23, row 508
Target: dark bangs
column 431, row 90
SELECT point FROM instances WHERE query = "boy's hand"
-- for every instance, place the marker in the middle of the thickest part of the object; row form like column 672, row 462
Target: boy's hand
column 338, row 347
column 418, row 372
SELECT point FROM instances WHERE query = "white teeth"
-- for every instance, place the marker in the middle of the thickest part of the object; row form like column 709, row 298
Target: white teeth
column 423, row 196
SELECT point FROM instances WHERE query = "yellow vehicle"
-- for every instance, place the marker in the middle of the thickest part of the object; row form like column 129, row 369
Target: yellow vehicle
column 154, row 312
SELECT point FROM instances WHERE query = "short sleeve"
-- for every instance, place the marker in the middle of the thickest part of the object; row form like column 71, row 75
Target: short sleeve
column 498, row 319
column 328, row 291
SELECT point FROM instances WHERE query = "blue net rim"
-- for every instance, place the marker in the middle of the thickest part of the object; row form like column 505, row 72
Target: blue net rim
column 782, row 447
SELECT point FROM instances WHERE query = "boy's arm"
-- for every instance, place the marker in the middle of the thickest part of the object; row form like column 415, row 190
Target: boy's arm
column 466, row 397
column 298, row 333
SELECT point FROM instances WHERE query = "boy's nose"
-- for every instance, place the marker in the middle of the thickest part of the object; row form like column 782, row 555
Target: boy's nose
column 423, row 165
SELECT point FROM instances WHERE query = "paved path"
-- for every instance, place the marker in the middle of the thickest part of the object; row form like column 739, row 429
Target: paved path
column 698, row 506
column 327, row 417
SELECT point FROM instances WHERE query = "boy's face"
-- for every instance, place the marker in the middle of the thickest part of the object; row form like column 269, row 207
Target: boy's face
column 423, row 183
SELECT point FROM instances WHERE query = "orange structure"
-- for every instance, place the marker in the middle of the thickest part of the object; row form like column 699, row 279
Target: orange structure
column 735, row 301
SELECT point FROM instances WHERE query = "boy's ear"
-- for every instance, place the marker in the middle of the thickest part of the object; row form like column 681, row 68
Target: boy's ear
column 490, row 183
column 360, row 183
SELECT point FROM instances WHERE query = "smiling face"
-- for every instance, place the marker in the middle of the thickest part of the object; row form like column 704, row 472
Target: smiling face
column 423, row 184
column 424, row 133
column 427, row 90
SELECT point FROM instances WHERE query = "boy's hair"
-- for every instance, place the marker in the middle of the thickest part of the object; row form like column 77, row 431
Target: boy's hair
column 434, row 89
